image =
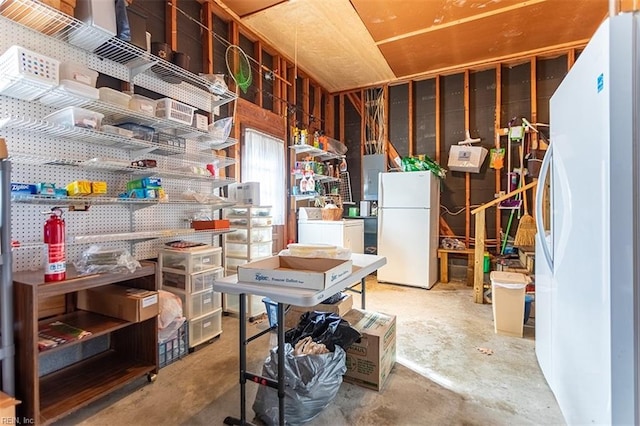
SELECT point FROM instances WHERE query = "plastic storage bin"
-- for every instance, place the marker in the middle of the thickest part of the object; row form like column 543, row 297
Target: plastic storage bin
column 204, row 303
column 253, row 251
column 27, row 75
column 114, row 97
column 175, row 348
column 507, row 290
column 191, row 261
column 192, row 283
column 142, row 105
column 75, row 116
column 141, row 132
column 205, row 328
column 79, row 73
column 272, row 311
column 173, row 110
column 257, row 235
column 70, row 93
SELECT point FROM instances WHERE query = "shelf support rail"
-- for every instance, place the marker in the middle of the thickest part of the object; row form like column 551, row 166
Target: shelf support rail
column 7, row 348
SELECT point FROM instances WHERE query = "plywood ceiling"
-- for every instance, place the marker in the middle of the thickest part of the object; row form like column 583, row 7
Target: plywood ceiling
column 346, row 44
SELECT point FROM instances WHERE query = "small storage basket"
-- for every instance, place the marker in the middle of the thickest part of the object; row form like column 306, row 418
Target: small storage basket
column 332, row 214
column 174, row 348
column 176, row 111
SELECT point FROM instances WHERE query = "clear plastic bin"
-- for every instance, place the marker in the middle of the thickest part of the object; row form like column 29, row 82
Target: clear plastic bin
column 257, row 235
column 144, row 133
column 233, row 263
column 173, row 110
column 193, row 283
column 205, row 328
column 142, row 105
column 204, row 303
column 114, row 97
column 253, row 251
column 79, row 73
column 191, row 261
column 114, row 130
column 68, row 94
column 75, row 116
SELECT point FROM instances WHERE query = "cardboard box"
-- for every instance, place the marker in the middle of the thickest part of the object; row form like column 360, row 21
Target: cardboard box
column 299, row 272
column 341, row 307
column 369, row 362
column 210, row 224
column 129, row 304
column 8, row 409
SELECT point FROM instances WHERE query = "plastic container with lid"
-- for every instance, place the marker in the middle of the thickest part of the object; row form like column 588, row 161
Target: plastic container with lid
column 114, row 97
column 309, row 250
column 76, row 116
column 142, row 105
column 78, row 72
column 70, row 93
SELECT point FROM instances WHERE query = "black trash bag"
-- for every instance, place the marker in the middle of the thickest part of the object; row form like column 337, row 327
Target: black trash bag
column 311, row 383
column 333, row 299
column 323, row 327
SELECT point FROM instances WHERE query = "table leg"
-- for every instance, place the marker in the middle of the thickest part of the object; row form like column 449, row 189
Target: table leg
column 363, row 293
column 243, row 364
column 281, row 369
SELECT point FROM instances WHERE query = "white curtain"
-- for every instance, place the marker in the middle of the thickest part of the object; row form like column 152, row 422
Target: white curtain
column 263, row 161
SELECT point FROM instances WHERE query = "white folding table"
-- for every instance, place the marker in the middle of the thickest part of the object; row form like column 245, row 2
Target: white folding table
column 363, row 265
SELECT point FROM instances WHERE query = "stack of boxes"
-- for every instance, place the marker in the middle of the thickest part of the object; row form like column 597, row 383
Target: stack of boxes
column 189, row 274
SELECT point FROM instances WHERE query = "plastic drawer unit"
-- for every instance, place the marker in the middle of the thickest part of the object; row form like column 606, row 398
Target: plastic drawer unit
column 189, row 283
column 206, row 328
column 190, row 261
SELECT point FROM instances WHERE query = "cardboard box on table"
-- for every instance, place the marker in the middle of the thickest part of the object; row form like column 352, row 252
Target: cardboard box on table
column 298, row 272
column 129, row 304
column 341, row 307
column 369, row 362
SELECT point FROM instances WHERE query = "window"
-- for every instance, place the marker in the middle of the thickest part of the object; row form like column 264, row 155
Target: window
column 263, row 161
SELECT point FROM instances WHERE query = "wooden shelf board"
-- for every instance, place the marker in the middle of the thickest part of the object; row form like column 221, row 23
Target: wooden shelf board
column 67, row 390
column 76, row 282
column 97, row 324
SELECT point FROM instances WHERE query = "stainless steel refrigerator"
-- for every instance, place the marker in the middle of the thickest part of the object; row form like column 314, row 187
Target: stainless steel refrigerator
column 408, row 211
column 588, row 255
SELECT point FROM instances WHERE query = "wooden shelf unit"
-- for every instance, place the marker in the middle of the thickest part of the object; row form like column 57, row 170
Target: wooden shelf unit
column 132, row 353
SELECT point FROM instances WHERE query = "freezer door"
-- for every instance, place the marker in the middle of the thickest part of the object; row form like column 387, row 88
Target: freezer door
column 404, row 238
column 406, row 189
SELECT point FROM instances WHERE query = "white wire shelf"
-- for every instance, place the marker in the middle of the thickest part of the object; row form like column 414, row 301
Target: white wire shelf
column 49, row 22
column 305, row 197
column 124, row 167
column 79, row 134
column 109, row 200
column 317, row 177
column 315, row 152
column 126, row 236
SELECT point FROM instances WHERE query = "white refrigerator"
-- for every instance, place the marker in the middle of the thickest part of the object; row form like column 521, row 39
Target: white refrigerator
column 408, row 211
column 588, row 257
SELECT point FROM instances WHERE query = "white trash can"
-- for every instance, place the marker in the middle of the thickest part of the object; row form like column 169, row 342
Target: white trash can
column 507, row 298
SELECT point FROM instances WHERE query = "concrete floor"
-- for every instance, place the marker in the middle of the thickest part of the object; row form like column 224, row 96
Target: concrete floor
column 440, row 378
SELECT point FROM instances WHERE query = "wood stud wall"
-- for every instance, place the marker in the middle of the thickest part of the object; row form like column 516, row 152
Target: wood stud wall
column 322, row 104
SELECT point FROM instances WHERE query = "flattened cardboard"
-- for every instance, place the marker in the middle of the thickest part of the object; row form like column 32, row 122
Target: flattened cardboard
column 299, row 272
column 129, row 304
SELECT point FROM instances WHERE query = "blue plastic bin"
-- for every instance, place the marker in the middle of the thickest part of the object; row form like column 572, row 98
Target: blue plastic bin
column 527, row 306
column 272, row 311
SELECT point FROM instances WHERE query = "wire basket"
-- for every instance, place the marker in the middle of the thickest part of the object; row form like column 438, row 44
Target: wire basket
column 332, row 214
column 174, row 348
column 176, row 111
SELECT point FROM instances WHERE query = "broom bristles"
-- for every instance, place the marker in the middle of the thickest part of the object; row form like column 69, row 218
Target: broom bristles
column 526, row 232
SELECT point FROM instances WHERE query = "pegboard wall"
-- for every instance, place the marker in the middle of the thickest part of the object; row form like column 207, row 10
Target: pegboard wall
column 28, row 219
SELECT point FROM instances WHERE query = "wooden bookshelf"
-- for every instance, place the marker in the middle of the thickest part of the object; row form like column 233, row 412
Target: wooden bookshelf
column 132, row 347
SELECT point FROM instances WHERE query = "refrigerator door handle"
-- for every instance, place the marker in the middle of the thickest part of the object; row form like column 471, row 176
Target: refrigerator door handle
column 544, row 169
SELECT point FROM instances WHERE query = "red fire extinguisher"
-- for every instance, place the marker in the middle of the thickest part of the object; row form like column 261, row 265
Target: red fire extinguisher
column 54, row 238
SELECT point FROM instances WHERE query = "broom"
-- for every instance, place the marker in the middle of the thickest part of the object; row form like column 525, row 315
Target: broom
column 526, row 232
